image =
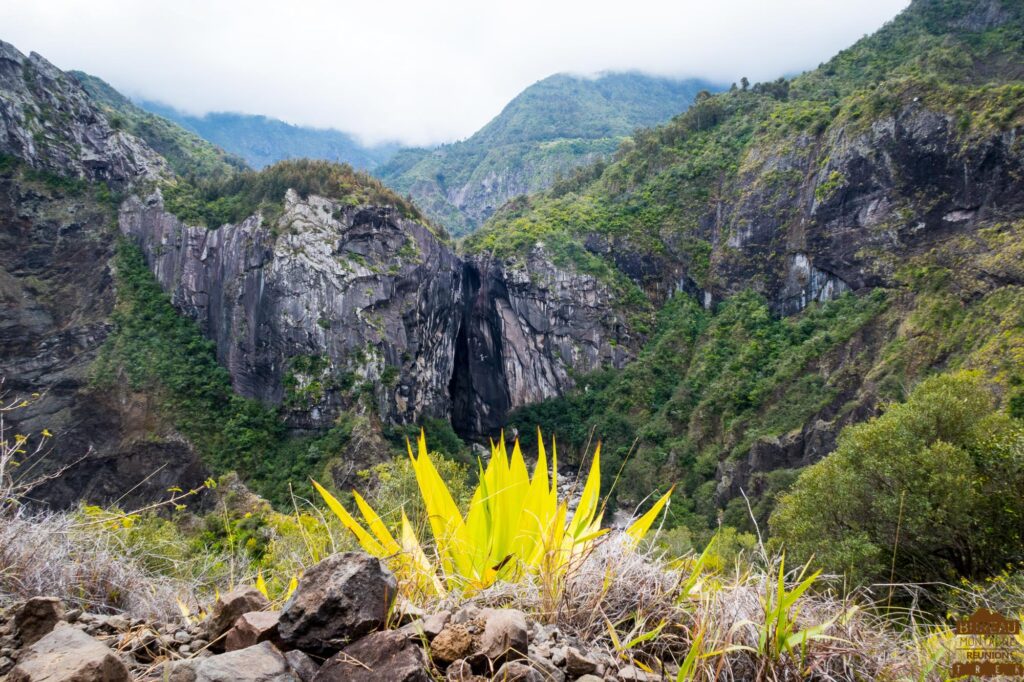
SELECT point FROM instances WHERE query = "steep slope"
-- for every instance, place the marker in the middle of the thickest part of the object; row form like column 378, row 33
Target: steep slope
column 62, row 167
column 550, row 128
column 889, row 179
column 187, row 153
column 262, row 141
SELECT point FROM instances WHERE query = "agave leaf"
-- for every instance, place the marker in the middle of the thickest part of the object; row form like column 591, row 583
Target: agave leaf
column 365, row 539
column 587, row 507
column 377, row 527
column 639, row 528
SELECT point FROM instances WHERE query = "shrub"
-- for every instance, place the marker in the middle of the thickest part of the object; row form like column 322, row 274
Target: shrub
column 930, row 490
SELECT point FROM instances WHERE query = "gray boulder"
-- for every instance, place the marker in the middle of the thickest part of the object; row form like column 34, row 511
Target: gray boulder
column 67, row 654
column 338, row 600
column 260, row 663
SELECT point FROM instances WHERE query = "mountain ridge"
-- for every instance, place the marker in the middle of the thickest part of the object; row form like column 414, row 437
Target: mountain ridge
column 546, row 131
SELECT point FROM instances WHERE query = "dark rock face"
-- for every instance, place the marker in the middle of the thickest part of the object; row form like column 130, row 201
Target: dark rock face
column 337, row 601
column 331, row 296
column 524, row 328
column 848, row 223
column 47, row 120
column 339, row 295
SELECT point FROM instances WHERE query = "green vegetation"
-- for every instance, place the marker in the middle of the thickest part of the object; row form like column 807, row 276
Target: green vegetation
column 930, row 491
column 264, row 141
column 705, row 383
column 216, row 201
column 187, row 153
column 548, row 130
column 163, row 353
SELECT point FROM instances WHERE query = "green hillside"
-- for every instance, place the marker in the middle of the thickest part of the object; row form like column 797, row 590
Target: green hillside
column 188, row 153
column 548, row 130
column 736, row 397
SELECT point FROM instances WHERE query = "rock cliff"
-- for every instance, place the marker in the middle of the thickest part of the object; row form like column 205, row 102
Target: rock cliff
column 330, row 299
column 48, row 120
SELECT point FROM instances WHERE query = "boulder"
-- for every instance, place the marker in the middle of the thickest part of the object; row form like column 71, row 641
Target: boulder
column 228, row 608
column 253, row 628
column 380, row 657
column 37, row 617
column 260, row 663
column 302, row 665
column 337, row 601
column 505, row 635
column 66, row 654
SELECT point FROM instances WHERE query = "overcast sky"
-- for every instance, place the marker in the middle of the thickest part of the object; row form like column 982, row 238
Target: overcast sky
column 418, row 71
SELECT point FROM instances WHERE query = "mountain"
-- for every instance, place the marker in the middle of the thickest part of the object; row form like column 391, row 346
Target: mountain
column 262, row 141
column 185, row 151
column 790, row 258
column 728, row 293
column 550, row 128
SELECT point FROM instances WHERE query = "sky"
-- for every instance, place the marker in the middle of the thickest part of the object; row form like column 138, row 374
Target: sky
column 418, row 72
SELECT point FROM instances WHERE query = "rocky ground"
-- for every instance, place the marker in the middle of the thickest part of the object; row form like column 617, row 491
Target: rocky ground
column 342, row 623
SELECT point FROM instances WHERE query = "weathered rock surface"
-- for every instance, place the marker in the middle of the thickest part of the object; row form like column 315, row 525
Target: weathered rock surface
column 228, row 608
column 48, row 120
column 251, row 629
column 37, row 617
column 260, row 663
column 337, row 601
column 379, row 657
column 69, row 655
column 331, row 295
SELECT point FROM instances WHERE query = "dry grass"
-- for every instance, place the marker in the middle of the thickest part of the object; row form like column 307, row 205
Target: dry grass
column 55, row 554
column 725, row 613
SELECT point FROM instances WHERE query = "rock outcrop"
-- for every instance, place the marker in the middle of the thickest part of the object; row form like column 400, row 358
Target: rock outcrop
column 48, row 120
column 330, row 298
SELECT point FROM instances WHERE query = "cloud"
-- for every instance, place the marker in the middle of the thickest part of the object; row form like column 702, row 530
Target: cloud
column 419, row 72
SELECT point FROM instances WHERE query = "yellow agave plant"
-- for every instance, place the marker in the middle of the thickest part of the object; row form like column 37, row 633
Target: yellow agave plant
column 515, row 524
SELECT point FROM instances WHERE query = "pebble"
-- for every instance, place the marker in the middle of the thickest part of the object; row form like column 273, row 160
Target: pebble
column 182, row 637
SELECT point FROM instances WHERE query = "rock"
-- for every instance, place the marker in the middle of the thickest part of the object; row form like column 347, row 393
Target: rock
column 337, row 601
column 228, row 608
column 434, row 623
column 577, row 664
column 462, row 671
column 73, row 615
column 67, row 654
column 5, row 664
column 630, row 673
column 505, row 634
column 302, row 665
column 260, row 663
column 182, row 637
column 37, row 617
column 253, row 628
column 453, row 642
column 589, row 678
column 517, row 671
column 380, row 657
column 548, row 670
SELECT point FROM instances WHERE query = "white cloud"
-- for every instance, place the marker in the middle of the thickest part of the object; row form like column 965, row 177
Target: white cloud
column 417, row 71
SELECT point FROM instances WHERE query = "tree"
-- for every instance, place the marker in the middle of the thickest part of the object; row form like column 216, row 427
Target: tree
column 744, row 84
column 940, row 478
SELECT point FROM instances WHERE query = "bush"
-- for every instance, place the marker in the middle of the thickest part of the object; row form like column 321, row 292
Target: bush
column 936, row 480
